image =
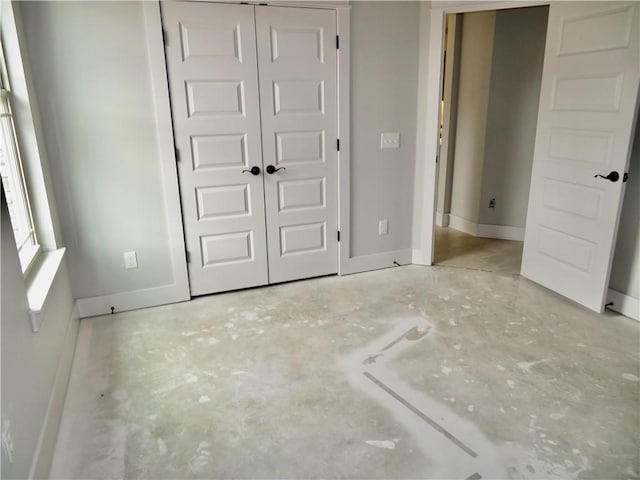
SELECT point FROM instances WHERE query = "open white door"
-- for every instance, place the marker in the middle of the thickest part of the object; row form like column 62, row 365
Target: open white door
column 588, row 103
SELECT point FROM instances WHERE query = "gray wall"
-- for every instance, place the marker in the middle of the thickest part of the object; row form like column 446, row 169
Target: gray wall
column 92, row 79
column 384, row 82
column 473, row 101
column 518, row 54
column 625, row 273
column 30, row 360
column 95, row 89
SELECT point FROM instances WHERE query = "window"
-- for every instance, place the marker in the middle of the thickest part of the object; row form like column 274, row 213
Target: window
column 13, row 179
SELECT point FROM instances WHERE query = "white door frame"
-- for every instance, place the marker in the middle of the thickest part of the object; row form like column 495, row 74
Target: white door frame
column 153, row 32
column 429, row 93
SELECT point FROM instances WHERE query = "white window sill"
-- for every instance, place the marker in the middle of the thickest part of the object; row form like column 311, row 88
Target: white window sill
column 39, row 283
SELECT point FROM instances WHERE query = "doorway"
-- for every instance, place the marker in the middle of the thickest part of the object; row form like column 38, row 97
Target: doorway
column 491, row 85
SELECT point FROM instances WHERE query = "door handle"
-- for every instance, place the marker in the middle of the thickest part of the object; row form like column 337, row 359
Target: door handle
column 612, row 177
column 253, row 171
column 271, row 169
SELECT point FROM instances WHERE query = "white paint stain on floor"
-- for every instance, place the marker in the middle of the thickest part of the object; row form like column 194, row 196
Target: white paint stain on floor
column 388, row 444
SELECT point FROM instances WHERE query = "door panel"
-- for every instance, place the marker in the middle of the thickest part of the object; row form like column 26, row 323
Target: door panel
column 588, row 104
column 211, row 60
column 297, row 63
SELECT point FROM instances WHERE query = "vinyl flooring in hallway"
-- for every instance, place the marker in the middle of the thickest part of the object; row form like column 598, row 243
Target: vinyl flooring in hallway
column 458, row 249
column 409, row 372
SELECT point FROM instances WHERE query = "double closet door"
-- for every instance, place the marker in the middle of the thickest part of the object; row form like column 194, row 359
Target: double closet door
column 254, row 107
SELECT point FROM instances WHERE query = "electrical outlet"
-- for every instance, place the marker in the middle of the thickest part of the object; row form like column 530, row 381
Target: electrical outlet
column 492, row 203
column 7, row 440
column 130, row 260
column 390, row 140
column 383, row 227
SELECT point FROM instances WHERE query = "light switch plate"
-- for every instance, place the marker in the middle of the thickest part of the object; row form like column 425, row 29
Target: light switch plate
column 390, row 140
column 383, row 227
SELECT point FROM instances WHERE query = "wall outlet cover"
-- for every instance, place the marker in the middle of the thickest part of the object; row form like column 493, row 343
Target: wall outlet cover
column 390, row 140
column 130, row 260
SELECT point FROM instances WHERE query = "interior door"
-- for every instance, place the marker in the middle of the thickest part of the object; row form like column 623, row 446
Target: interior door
column 588, row 104
column 297, row 63
column 211, row 61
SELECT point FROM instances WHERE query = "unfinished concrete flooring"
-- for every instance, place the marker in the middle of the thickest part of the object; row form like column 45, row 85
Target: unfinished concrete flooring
column 410, row 372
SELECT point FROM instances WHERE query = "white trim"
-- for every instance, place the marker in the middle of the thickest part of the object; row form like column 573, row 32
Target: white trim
column 501, row 232
column 133, row 300
column 28, row 126
column 430, row 68
column 428, row 118
column 344, row 160
column 39, row 284
column 48, row 434
column 624, row 304
column 377, row 261
column 179, row 290
column 442, row 219
column 458, row 6
column 327, row 5
column 463, row 225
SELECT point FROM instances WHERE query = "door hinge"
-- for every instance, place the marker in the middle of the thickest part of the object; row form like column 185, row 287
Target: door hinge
column 165, row 37
column 338, row 144
column 177, row 155
column 337, row 42
column 338, row 235
column 188, row 256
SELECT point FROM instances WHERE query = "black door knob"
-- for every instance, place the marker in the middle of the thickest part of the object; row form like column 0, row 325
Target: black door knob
column 612, row 177
column 271, row 169
column 253, row 171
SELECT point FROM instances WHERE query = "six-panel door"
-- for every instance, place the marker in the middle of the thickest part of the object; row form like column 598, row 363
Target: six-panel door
column 588, row 101
column 232, row 217
column 213, row 78
column 297, row 65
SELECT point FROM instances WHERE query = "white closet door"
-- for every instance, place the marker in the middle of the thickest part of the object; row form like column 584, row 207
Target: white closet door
column 211, row 60
column 587, row 105
column 297, row 62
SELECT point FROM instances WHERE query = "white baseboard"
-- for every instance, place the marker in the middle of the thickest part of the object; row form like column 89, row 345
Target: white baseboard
column 463, row 225
column 48, row 434
column 624, row 304
column 377, row 261
column 442, row 219
column 150, row 297
column 500, row 232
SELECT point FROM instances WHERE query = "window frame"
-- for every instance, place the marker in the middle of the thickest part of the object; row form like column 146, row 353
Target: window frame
column 28, row 245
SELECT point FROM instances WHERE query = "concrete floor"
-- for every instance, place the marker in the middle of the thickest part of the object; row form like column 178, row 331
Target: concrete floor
column 409, row 372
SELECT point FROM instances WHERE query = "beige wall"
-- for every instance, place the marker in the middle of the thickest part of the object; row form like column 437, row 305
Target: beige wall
column 473, row 102
column 514, row 94
column 499, row 87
